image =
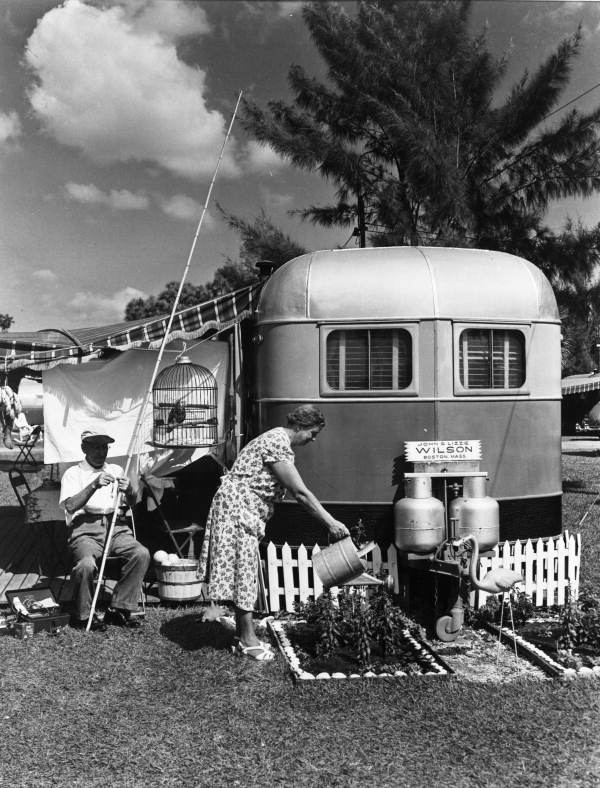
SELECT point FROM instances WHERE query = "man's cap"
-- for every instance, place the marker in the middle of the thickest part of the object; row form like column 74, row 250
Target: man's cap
column 95, row 438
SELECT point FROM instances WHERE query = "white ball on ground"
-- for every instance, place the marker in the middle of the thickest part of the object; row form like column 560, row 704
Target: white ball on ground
column 160, row 556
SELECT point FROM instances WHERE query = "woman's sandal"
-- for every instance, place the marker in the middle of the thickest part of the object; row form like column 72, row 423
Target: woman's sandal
column 263, row 643
column 260, row 652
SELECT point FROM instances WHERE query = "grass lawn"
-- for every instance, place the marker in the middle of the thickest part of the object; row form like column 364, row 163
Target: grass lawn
column 169, row 705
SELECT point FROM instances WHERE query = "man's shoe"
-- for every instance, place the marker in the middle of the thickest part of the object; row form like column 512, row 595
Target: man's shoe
column 121, row 618
column 81, row 623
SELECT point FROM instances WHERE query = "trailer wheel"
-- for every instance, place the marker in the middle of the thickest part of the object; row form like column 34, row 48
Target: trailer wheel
column 443, row 629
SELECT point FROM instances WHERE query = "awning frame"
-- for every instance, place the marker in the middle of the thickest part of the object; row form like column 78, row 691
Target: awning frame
column 38, row 351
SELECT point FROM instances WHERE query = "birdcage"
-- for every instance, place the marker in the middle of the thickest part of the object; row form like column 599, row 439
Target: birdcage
column 184, row 398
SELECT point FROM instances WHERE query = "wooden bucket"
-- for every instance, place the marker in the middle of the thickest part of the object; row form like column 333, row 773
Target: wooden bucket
column 340, row 562
column 179, row 582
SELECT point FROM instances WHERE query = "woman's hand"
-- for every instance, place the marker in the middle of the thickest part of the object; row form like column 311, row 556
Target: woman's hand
column 338, row 530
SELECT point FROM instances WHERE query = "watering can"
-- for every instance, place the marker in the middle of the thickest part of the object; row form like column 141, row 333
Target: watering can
column 341, row 562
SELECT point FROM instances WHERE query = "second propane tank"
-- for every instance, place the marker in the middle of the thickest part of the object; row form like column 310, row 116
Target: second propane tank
column 476, row 513
column 419, row 525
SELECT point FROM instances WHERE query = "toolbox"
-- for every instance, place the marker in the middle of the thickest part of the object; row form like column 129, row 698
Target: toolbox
column 38, row 608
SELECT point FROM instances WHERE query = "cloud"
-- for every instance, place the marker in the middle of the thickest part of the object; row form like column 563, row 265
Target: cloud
column 124, row 200
column 179, row 206
column 85, row 193
column 172, row 20
column 118, row 200
column 185, row 208
column 262, row 157
column 110, row 87
column 92, row 309
column 564, row 17
column 569, row 8
column 45, row 275
column 10, row 131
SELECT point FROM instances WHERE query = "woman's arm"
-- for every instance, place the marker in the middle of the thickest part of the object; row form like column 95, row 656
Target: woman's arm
column 287, row 474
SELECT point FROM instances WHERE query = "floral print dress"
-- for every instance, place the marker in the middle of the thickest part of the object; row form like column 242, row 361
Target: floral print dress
column 238, row 515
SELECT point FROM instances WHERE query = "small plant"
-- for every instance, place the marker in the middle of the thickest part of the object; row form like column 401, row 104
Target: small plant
column 358, row 532
column 360, row 636
column 569, row 660
column 488, row 613
column 523, row 608
column 388, row 622
column 384, row 623
column 493, row 612
column 580, row 623
column 327, row 620
column 570, row 624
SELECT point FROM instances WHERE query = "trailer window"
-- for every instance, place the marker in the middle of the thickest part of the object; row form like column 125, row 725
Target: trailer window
column 491, row 359
column 369, row 360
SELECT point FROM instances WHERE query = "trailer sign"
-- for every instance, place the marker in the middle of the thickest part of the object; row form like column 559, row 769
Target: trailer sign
column 442, row 451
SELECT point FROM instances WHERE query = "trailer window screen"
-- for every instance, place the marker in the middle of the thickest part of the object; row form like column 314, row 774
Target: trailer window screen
column 491, row 359
column 369, row 360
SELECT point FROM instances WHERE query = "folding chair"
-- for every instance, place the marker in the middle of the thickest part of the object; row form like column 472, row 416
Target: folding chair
column 20, row 486
column 189, row 531
column 47, row 529
column 25, row 457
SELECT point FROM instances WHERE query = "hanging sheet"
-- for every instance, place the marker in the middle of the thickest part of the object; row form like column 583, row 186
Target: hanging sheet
column 107, row 396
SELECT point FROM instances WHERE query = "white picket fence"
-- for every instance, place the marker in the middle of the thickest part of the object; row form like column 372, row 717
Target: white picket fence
column 549, row 566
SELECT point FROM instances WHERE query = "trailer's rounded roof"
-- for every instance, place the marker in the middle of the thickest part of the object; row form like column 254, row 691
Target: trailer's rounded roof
column 407, row 282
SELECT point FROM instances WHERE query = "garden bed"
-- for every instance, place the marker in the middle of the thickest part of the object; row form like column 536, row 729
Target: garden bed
column 297, row 641
column 479, row 655
column 542, row 638
column 564, row 641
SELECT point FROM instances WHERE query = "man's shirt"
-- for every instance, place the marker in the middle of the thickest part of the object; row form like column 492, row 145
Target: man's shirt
column 79, row 476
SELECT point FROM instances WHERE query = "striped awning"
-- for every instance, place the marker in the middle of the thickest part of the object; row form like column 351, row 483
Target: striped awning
column 579, row 384
column 44, row 349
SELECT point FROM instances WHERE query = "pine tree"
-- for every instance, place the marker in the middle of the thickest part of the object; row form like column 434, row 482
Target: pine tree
column 407, row 129
column 261, row 241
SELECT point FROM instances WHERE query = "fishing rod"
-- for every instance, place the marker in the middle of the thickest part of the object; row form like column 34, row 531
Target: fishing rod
column 138, row 423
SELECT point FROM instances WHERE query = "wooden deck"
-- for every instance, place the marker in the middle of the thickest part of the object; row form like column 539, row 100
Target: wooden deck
column 20, row 546
column 27, row 547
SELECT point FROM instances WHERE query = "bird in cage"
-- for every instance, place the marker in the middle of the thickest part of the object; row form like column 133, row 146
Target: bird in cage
column 176, row 414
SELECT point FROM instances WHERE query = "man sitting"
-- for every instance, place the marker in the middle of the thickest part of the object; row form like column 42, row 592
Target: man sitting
column 89, row 493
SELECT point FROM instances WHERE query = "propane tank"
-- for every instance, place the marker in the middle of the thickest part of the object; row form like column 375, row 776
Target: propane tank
column 476, row 513
column 418, row 518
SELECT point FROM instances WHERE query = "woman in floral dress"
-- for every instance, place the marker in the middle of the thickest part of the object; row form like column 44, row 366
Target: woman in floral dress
column 259, row 477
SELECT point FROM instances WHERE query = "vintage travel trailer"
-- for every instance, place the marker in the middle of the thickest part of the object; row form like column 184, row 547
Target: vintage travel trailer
column 399, row 346
column 411, row 344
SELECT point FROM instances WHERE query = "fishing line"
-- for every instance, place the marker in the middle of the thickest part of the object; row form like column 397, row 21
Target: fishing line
column 139, row 420
column 589, row 509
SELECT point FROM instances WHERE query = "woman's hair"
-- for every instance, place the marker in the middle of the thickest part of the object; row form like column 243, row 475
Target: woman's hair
column 306, row 416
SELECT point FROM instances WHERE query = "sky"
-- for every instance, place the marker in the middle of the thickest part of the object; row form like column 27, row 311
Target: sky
column 112, row 117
